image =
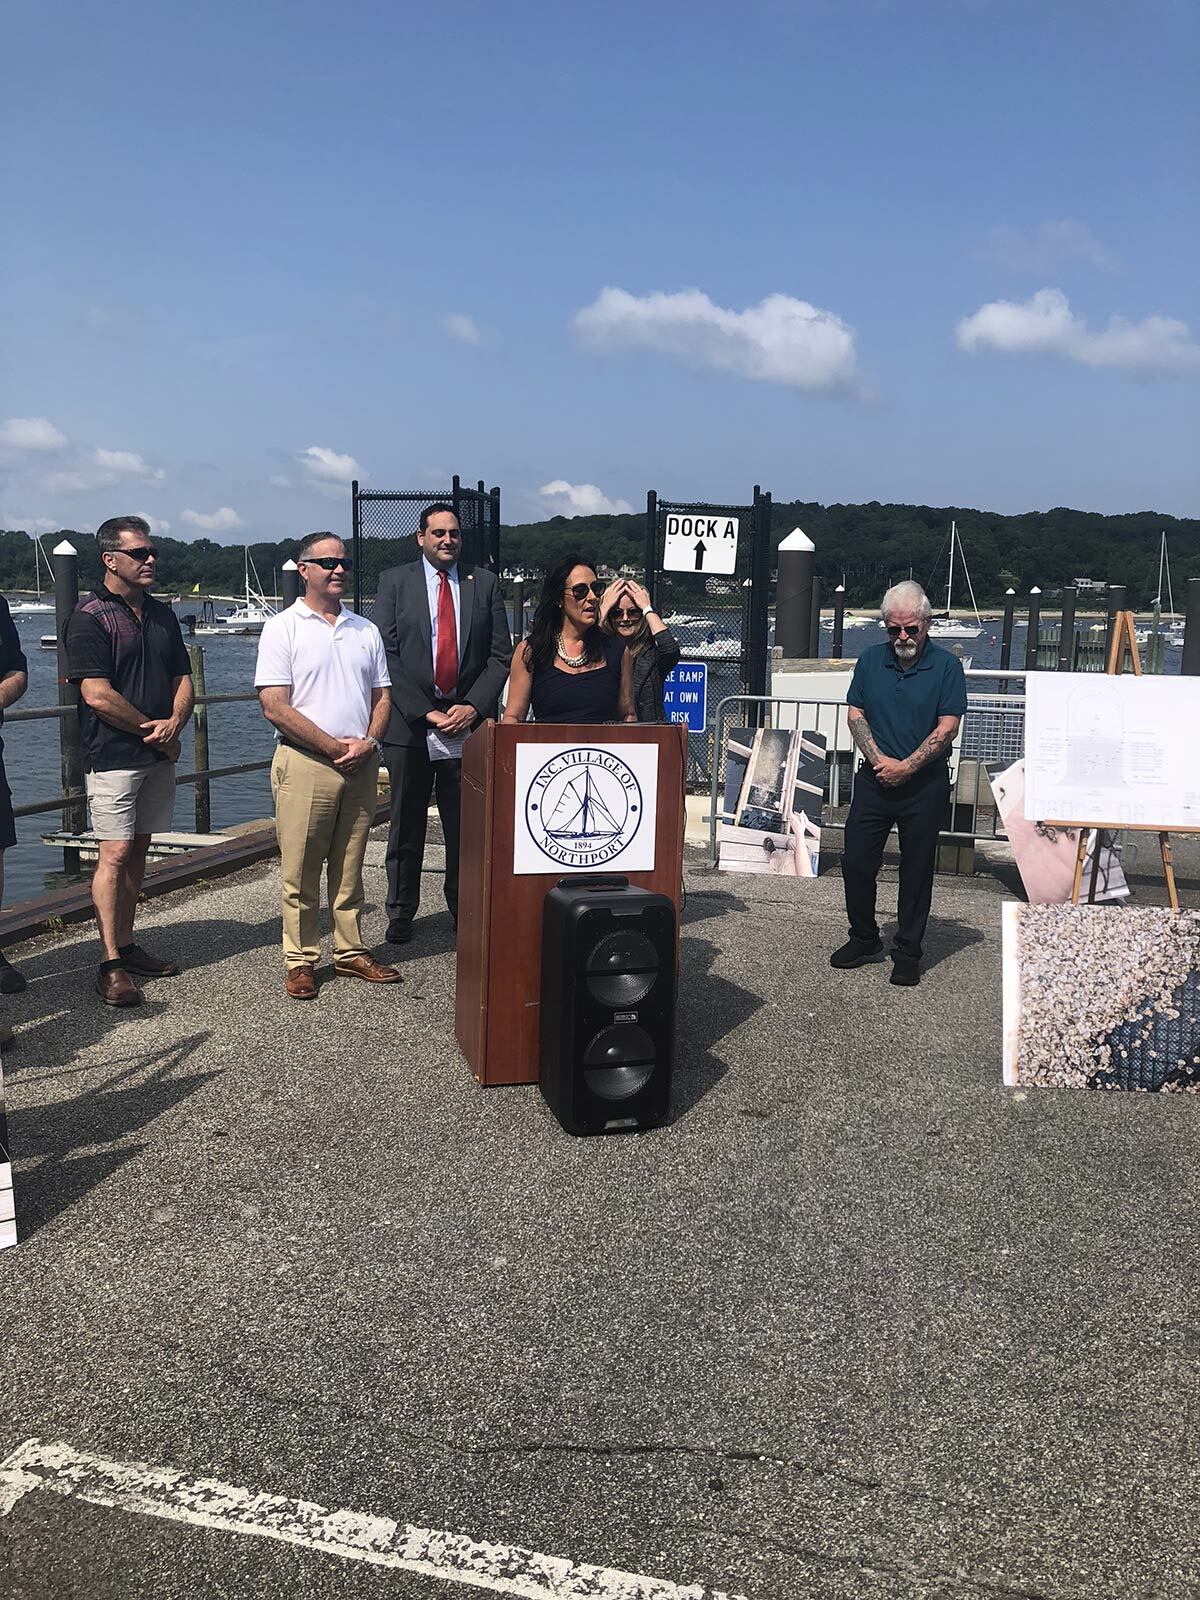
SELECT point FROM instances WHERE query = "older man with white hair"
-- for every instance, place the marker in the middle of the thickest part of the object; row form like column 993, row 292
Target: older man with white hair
column 906, row 699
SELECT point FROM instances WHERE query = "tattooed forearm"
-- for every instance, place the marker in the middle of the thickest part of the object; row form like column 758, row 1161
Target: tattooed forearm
column 938, row 742
column 860, row 732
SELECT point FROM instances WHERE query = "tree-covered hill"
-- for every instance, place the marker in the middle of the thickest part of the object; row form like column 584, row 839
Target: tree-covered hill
column 866, row 545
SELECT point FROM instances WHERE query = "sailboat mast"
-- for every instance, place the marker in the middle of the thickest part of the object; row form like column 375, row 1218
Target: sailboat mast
column 587, row 795
column 950, row 575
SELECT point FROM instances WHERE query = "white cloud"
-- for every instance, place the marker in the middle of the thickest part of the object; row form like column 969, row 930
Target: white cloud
column 101, row 470
column 565, row 499
column 279, row 481
column 157, row 524
column 31, row 433
column 1044, row 249
column 223, row 521
column 459, row 326
column 780, row 340
column 1046, row 324
column 19, row 523
column 128, row 464
column 326, row 468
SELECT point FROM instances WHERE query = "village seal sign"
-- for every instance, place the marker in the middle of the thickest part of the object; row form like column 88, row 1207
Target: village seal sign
column 584, row 807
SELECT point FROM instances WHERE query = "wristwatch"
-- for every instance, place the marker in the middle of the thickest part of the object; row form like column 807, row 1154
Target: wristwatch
column 646, row 610
column 376, row 743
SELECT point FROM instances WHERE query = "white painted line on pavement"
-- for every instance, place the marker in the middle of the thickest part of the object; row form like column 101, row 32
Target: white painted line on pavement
column 205, row 1503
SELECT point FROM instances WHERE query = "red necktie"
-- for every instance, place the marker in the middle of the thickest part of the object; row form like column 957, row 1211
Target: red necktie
column 445, row 665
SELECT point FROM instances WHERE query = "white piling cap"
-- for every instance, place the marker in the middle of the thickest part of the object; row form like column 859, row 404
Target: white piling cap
column 290, row 566
column 797, row 540
column 841, row 589
column 1010, row 591
column 1035, row 590
column 66, row 548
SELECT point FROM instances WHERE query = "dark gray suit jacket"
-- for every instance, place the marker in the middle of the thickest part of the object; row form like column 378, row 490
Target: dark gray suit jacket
column 484, row 646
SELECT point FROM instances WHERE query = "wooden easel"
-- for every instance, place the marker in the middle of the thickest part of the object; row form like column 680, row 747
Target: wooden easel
column 1124, row 639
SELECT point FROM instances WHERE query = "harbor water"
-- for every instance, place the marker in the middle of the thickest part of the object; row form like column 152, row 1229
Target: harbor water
column 239, row 733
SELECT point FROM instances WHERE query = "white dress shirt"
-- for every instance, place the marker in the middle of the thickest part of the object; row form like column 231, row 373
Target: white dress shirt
column 330, row 668
column 432, row 574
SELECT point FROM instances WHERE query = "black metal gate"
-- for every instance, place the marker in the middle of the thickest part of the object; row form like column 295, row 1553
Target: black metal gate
column 718, row 619
column 385, row 524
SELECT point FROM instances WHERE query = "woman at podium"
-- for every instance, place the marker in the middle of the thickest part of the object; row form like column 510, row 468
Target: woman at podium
column 569, row 669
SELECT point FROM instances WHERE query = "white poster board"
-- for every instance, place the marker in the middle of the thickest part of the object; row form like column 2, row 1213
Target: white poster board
column 585, row 808
column 1119, row 750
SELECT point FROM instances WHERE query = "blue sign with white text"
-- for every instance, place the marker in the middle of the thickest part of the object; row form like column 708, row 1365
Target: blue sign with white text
column 685, row 695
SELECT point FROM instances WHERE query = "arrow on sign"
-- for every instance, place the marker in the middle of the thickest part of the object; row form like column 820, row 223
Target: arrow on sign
column 699, row 554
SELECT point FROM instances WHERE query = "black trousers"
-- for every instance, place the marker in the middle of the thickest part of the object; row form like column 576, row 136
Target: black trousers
column 918, row 810
column 414, row 777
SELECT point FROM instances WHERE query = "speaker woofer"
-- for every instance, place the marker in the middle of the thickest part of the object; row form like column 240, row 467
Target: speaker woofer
column 618, row 1062
column 622, row 968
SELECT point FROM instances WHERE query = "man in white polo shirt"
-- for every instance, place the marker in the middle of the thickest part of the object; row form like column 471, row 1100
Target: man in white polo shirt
column 322, row 680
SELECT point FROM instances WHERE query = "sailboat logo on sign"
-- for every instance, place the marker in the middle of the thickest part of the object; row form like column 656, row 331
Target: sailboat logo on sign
column 700, row 543
column 583, row 808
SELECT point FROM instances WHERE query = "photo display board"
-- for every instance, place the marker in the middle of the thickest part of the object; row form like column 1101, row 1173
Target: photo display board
column 1119, row 751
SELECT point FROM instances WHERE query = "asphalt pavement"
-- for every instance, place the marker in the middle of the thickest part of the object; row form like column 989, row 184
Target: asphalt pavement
column 857, row 1322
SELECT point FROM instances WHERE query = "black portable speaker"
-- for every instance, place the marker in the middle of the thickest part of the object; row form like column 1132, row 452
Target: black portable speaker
column 607, row 1004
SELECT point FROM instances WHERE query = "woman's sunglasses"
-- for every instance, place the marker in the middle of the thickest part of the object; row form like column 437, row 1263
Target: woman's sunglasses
column 580, row 591
column 627, row 616
column 329, row 563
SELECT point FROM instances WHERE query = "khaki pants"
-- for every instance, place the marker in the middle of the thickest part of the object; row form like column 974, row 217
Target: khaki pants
column 321, row 816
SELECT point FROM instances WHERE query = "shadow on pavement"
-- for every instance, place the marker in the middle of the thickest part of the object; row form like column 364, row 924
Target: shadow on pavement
column 725, row 1006
column 126, row 1103
column 946, row 936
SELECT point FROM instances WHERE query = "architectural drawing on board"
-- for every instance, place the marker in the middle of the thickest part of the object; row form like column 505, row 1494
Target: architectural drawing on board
column 1111, row 750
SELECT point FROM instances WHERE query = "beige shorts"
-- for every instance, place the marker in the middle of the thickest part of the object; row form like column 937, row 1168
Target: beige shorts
column 132, row 800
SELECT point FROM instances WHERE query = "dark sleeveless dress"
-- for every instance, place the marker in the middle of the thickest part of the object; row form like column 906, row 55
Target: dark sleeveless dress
column 580, row 696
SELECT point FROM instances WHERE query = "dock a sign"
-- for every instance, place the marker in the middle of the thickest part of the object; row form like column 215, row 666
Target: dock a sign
column 585, row 808
column 699, row 542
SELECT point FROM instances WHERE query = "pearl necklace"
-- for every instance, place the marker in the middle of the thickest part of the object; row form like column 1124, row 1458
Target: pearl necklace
column 569, row 661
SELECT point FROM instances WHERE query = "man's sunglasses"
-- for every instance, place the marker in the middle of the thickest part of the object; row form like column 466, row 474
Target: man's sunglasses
column 627, row 616
column 580, row 591
column 141, row 553
column 895, row 629
column 328, row 563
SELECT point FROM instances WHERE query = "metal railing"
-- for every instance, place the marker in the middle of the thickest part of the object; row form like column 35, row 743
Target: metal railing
column 992, row 731
column 72, row 802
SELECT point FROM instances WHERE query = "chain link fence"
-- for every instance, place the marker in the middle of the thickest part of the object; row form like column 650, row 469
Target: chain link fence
column 385, row 525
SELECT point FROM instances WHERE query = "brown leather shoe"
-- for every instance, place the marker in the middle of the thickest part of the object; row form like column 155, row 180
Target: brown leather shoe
column 138, row 959
column 368, row 968
column 300, row 983
column 116, row 988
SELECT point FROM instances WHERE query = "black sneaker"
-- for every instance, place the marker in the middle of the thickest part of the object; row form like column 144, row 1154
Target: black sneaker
column 857, row 952
column 905, row 971
column 11, row 981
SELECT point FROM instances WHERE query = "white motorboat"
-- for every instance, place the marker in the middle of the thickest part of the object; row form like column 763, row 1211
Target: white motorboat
column 37, row 607
column 248, row 616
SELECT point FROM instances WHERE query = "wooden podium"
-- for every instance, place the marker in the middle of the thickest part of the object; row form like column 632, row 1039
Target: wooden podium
column 496, row 1009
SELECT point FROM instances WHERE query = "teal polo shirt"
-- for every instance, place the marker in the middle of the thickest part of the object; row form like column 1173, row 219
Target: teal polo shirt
column 903, row 706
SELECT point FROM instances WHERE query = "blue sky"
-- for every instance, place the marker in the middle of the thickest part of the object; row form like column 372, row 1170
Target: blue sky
column 847, row 251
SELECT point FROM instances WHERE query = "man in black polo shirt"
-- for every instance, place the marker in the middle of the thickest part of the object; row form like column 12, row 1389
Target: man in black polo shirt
column 126, row 653
column 906, row 699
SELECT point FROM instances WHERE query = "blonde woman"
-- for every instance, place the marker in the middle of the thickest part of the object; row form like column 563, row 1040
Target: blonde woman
column 649, row 644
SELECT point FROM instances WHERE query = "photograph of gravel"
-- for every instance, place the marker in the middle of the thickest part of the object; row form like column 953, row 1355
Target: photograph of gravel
column 1099, row 998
